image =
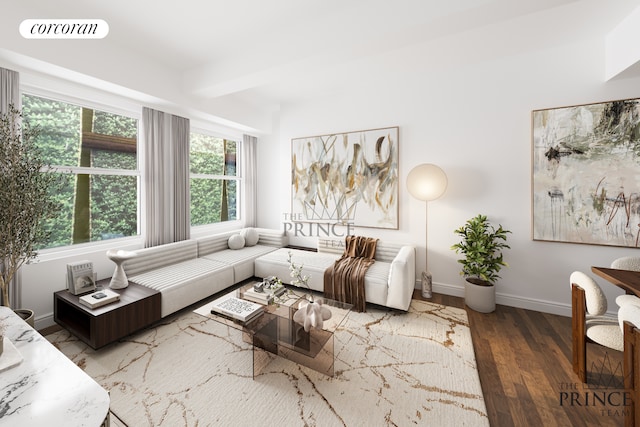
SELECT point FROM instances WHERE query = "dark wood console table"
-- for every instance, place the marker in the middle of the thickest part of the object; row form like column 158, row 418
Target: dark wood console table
column 137, row 308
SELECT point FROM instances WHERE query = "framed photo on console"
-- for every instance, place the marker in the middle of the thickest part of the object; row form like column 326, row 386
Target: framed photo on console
column 346, row 178
column 80, row 277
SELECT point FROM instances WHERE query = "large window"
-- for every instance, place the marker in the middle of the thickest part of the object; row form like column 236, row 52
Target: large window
column 214, row 182
column 95, row 151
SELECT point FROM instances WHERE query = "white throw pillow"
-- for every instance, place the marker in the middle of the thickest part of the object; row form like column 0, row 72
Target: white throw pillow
column 251, row 236
column 236, row 242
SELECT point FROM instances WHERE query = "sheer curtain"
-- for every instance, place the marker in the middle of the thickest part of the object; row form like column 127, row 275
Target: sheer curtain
column 250, row 178
column 10, row 94
column 9, row 89
column 166, row 177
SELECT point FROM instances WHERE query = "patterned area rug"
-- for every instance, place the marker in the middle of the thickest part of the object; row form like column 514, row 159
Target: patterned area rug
column 391, row 368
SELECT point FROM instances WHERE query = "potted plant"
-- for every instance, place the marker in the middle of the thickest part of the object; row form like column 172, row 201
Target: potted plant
column 481, row 245
column 24, row 191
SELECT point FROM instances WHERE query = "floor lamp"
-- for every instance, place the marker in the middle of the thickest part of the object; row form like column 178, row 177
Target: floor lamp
column 426, row 182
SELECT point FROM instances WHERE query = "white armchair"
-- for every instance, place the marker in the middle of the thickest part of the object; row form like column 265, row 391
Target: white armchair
column 588, row 322
column 631, row 263
column 627, row 263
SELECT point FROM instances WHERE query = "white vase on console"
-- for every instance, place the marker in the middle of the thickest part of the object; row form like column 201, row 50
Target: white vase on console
column 119, row 279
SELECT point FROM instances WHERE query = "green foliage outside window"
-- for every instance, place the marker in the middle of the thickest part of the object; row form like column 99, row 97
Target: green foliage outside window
column 59, row 125
column 213, row 198
column 115, row 125
column 111, row 205
column 113, row 199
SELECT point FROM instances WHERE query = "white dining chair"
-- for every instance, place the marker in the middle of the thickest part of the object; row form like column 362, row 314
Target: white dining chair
column 626, row 263
column 588, row 321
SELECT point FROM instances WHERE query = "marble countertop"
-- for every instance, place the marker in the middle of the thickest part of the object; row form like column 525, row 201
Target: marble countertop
column 46, row 388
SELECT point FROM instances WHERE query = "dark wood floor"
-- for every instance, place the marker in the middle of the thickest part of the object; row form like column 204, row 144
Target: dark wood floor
column 524, row 362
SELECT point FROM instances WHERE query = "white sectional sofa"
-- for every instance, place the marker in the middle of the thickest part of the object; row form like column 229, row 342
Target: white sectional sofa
column 188, row 271
column 389, row 281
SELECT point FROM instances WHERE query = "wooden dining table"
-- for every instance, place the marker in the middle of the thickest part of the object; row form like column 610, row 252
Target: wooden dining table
column 625, row 279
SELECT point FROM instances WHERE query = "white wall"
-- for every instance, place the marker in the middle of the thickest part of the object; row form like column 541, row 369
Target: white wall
column 464, row 105
column 474, row 120
column 623, row 53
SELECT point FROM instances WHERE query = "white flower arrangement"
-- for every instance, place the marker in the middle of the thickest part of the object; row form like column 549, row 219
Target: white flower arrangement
column 299, row 279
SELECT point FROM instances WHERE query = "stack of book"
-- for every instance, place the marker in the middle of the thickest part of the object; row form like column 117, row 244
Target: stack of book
column 100, row 298
column 236, row 308
column 264, row 297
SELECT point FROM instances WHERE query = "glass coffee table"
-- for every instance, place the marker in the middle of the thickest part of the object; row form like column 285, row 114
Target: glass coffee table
column 274, row 332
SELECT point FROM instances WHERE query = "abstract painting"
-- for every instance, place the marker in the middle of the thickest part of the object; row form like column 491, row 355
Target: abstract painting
column 347, row 178
column 586, row 174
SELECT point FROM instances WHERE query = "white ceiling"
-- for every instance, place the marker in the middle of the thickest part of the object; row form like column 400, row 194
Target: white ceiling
column 270, row 52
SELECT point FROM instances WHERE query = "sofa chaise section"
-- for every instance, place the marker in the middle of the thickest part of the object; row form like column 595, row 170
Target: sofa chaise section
column 390, row 281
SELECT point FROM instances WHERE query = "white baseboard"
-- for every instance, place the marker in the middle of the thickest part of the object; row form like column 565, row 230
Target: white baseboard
column 445, row 289
column 44, row 321
column 543, row 306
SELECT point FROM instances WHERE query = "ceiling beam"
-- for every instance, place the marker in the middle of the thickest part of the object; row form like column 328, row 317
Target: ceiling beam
column 622, row 51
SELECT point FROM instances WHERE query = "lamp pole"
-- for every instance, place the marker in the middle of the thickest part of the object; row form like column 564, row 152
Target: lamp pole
column 427, row 279
column 426, row 182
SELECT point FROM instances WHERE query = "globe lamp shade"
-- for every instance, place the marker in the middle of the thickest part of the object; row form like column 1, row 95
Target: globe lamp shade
column 426, row 182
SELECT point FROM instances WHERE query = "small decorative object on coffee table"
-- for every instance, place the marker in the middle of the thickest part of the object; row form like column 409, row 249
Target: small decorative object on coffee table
column 272, row 285
column 119, row 279
column 312, row 314
column 265, row 292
